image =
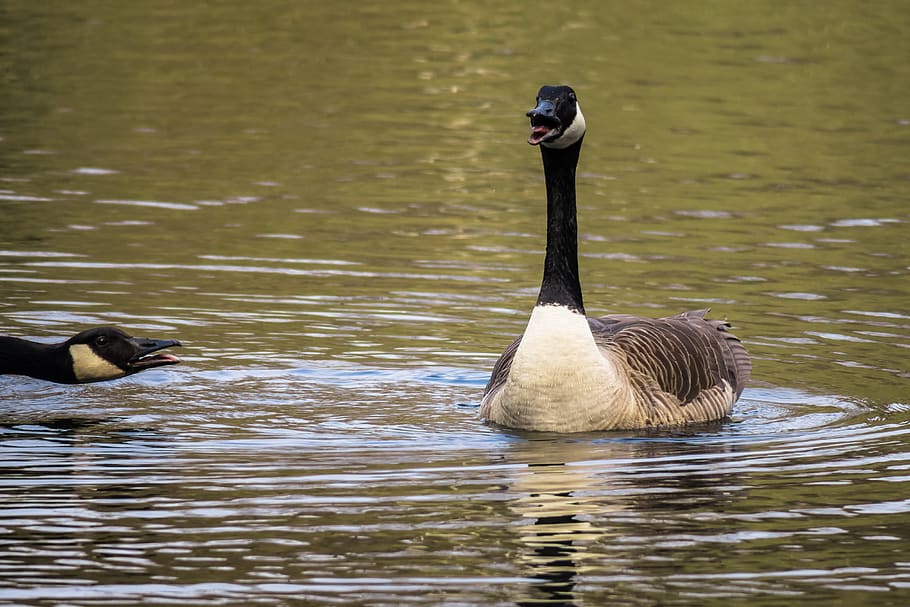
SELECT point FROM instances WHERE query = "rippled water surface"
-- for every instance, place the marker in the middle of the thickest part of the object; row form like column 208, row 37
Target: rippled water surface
column 334, row 208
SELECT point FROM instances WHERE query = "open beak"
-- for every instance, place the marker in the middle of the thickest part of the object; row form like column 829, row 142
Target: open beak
column 148, row 355
column 545, row 125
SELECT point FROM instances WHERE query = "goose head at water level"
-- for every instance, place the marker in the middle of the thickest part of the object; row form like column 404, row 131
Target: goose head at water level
column 571, row 373
column 93, row 355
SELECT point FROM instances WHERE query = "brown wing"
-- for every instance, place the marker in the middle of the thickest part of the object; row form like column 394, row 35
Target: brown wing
column 685, row 354
column 501, row 368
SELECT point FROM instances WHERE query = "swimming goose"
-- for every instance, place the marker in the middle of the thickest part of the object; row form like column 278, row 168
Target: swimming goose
column 93, row 355
column 571, row 373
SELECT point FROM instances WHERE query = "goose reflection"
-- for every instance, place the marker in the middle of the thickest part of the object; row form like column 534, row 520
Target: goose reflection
column 100, row 468
column 560, row 519
column 579, row 500
column 557, row 537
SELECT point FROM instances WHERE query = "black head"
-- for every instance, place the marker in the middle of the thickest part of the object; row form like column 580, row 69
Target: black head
column 557, row 121
column 107, row 353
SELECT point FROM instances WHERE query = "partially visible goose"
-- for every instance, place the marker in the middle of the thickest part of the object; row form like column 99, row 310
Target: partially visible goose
column 93, row 355
column 571, row 373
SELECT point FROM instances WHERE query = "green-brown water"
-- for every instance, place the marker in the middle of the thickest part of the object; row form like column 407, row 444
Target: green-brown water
column 333, row 206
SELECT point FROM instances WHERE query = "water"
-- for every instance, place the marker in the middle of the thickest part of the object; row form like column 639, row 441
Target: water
column 335, row 210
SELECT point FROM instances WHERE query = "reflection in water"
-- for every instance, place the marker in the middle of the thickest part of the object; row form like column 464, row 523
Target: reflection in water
column 556, row 538
column 576, row 494
column 64, row 507
column 555, row 564
column 258, row 492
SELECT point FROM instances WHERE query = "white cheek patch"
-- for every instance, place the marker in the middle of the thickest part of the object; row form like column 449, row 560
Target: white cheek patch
column 88, row 366
column 572, row 134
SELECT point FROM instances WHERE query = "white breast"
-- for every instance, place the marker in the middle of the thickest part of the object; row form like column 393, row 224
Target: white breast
column 559, row 379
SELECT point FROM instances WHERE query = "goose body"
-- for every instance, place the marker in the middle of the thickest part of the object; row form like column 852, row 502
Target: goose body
column 572, row 373
column 93, row 355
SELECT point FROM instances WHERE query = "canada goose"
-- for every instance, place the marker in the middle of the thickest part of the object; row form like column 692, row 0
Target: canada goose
column 571, row 373
column 92, row 355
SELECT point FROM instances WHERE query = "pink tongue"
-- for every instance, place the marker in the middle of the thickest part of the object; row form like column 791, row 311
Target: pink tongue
column 537, row 134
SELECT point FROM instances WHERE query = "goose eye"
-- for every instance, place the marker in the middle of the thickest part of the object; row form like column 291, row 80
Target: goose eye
column 100, row 340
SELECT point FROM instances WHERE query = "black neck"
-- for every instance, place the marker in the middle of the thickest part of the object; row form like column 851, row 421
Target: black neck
column 561, row 285
column 50, row 362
